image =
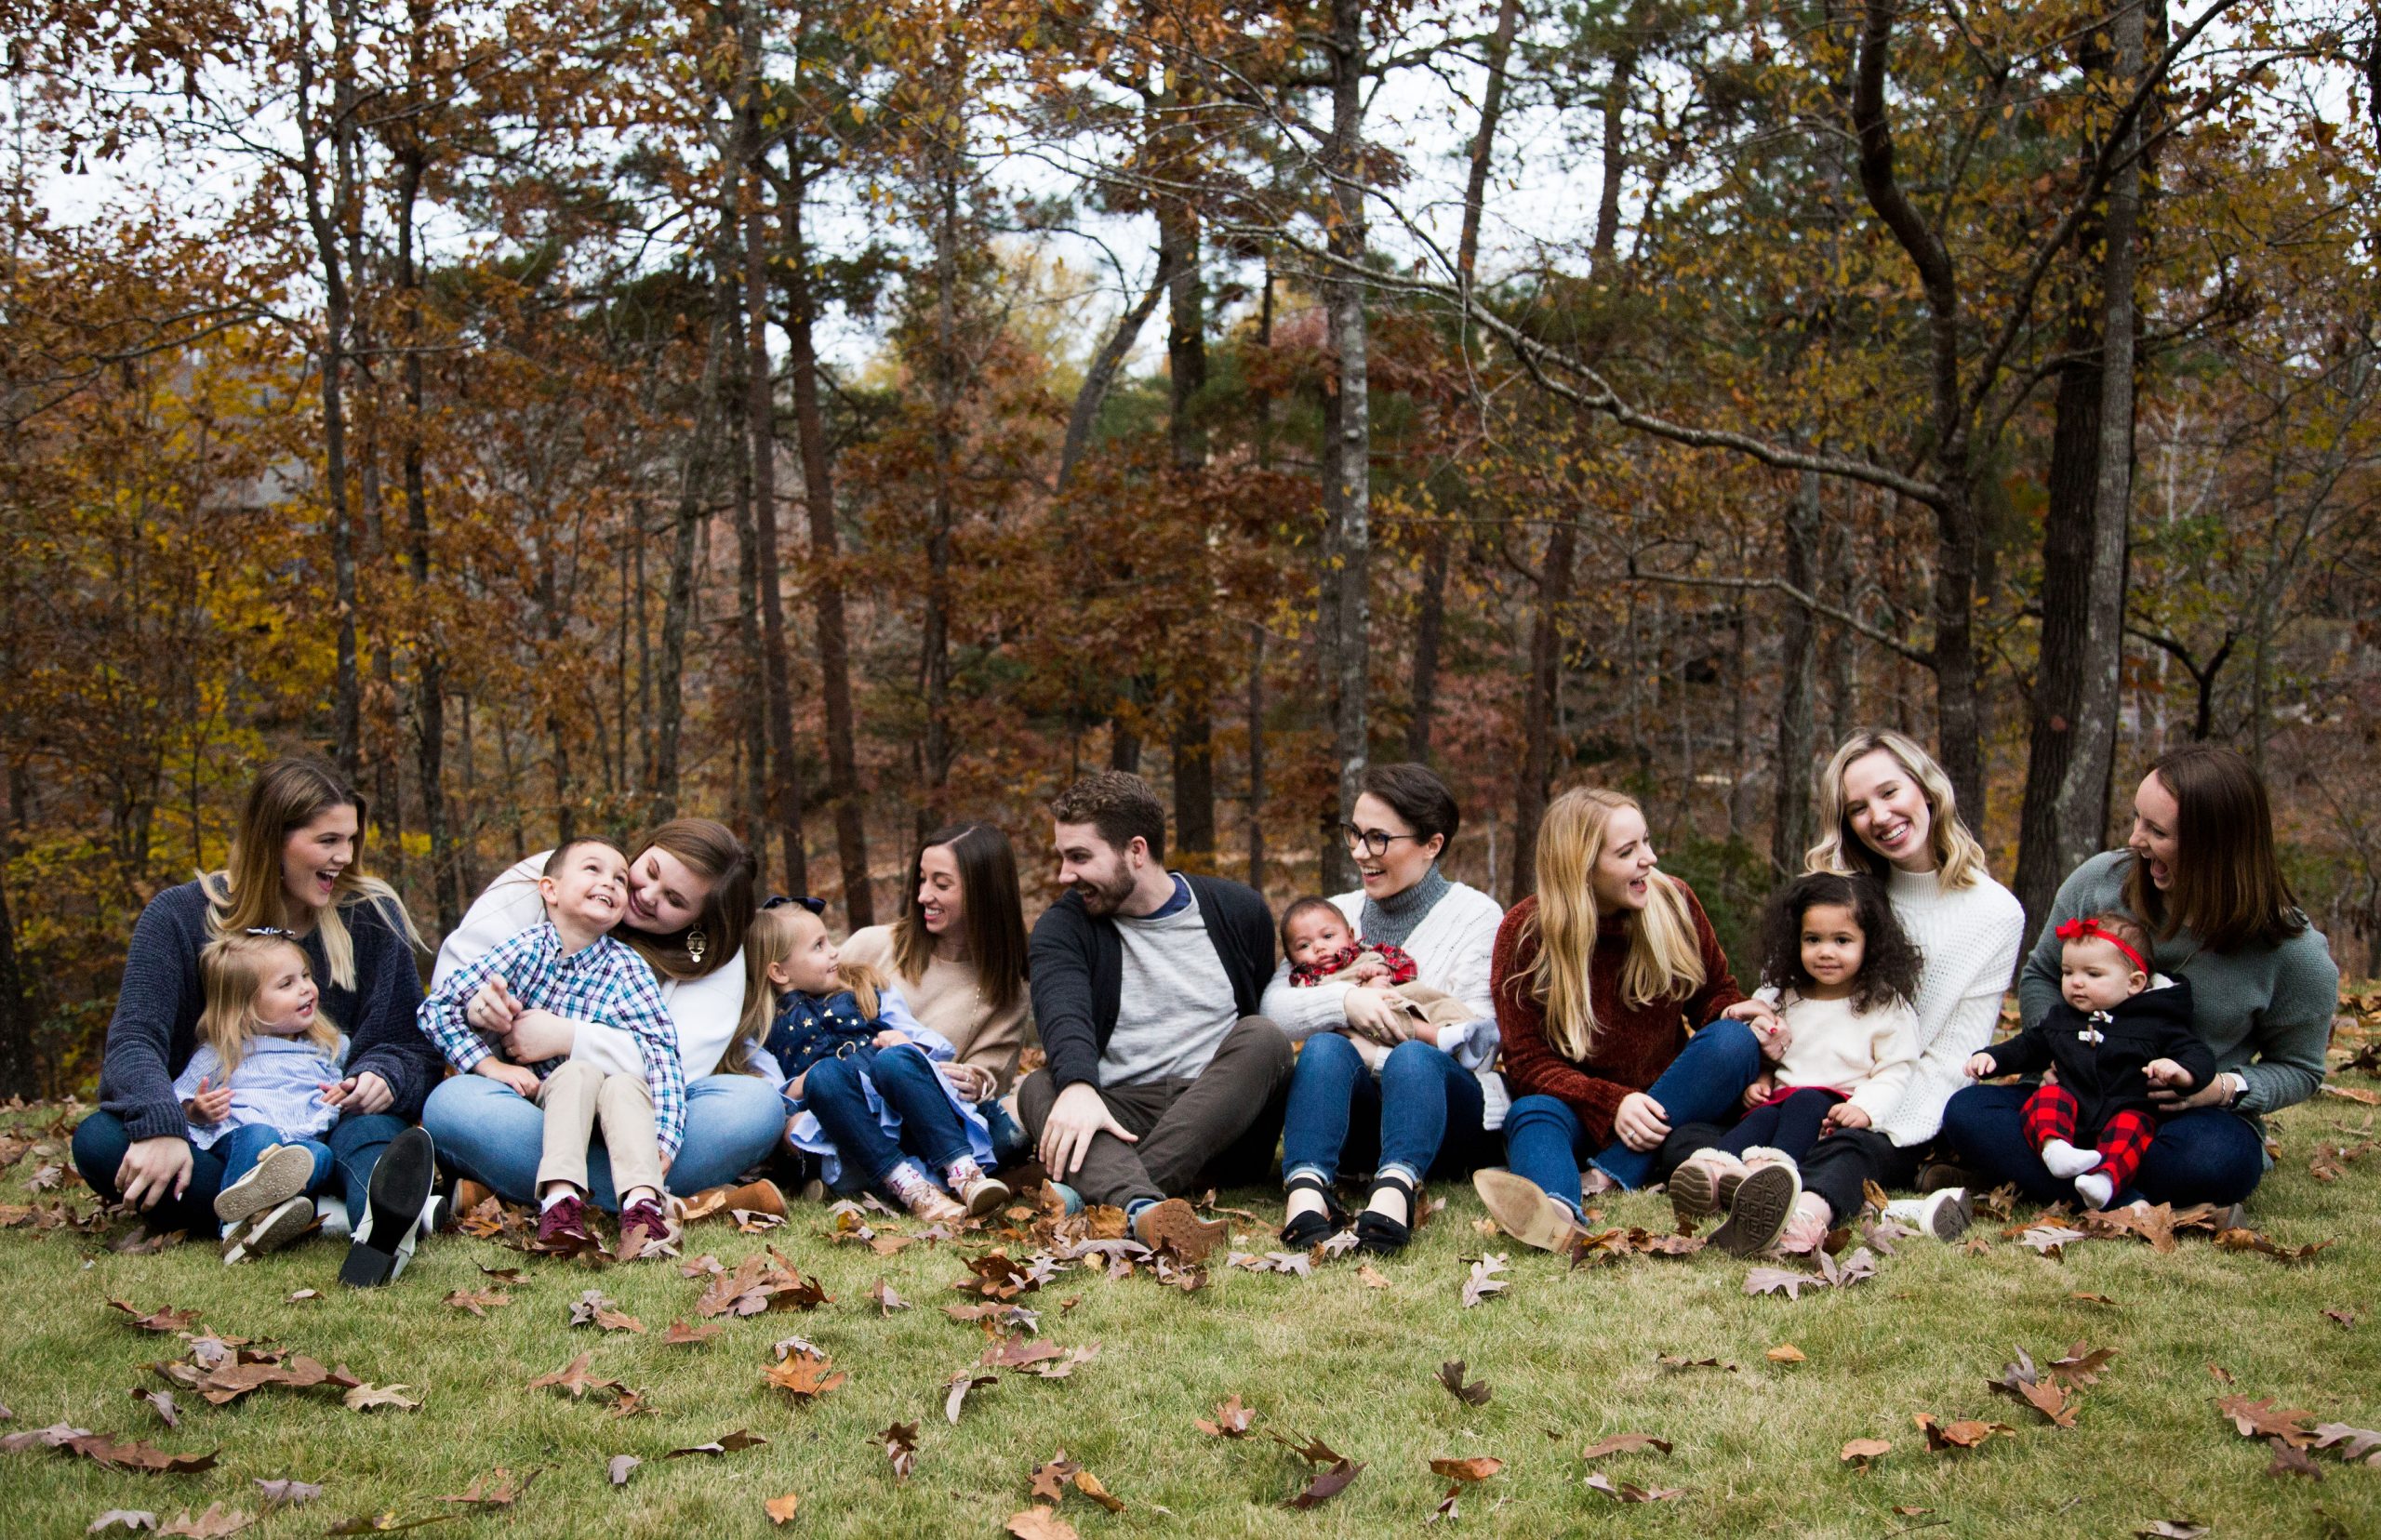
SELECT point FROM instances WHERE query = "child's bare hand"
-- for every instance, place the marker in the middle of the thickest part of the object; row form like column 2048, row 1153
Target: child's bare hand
column 1846, row 1115
column 1982, row 1066
column 888, row 1039
column 512, row 1075
column 2167, row 1072
column 210, row 1106
column 1366, row 969
column 1760, row 1091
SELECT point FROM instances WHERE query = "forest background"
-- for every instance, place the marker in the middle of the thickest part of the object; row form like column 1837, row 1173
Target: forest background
column 843, row 418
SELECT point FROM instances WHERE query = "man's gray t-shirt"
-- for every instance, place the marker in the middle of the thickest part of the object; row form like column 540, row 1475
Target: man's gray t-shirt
column 1175, row 1003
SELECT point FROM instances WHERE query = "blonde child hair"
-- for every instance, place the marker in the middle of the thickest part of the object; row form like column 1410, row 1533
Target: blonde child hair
column 233, row 969
column 1664, row 961
column 781, row 928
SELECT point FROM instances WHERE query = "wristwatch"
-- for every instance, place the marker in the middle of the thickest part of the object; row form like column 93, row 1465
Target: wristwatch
column 2236, row 1086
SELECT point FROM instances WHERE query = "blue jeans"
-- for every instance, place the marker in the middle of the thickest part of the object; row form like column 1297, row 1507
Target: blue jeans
column 243, row 1146
column 1545, row 1142
column 2203, row 1156
column 355, row 1142
column 909, row 1083
column 490, row 1133
column 1424, row 1111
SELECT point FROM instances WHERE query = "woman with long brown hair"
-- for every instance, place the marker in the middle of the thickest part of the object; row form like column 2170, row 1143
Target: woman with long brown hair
column 1613, row 1003
column 690, row 899
column 2199, row 872
column 296, row 865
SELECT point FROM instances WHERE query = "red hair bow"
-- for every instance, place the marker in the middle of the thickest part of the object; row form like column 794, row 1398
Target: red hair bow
column 2088, row 929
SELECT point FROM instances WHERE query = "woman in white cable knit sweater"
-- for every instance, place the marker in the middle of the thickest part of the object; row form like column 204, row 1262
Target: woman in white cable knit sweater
column 1427, row 1109
column 1887, row 808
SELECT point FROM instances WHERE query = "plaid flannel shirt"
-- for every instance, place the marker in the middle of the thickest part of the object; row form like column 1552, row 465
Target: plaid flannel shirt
column 607, row 982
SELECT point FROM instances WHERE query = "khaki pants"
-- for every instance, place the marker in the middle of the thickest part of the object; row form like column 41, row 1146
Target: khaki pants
column 577, row 1099
column 1219, row 1129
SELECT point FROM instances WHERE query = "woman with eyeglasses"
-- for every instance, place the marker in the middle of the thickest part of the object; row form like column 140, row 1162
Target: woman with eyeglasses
column 1426, row 1111
column 295, row 870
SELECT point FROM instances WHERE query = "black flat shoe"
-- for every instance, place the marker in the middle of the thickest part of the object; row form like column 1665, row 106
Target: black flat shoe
column 1311, row 1227
column 1377, row 1231
column 400, row 1188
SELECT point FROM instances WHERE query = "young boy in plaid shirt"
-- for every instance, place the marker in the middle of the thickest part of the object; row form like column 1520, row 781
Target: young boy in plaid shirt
column 571, row 965
column 2117, row 1030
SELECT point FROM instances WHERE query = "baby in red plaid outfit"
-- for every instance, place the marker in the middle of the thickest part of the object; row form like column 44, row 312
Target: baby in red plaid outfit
column 2114, row 1032
column 1323, row 948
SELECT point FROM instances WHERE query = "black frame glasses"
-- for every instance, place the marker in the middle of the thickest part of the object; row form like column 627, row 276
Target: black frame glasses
column 1373, row 841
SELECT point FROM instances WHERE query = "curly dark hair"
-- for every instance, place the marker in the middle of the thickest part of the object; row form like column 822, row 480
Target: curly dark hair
column 1890, row 959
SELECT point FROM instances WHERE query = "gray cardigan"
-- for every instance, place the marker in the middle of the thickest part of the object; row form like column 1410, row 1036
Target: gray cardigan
column 2265, row 1011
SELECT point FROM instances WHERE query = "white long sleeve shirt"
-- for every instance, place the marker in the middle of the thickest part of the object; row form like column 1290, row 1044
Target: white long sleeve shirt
column 1450, row 948
column 1970, row 938
column 705, row 1009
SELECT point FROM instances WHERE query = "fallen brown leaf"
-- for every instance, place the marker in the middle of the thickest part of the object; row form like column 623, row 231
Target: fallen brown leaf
column 956, row 1388
column 156, row 1320
column 780, row 1509
column 1450, row 1375
column 1328, row 1484
column 804, row 1377
column 132, row 1454
column 2081, row 1365
column 1478, row 1467
column 1942, row 1437
column 122, row 1518
column 2262, row 1419
column 499, row 1489
column 2290, row 1460
column 1482, row 1282
column 1625, row 1443
column 899, row 1441
column 619, row 1466
column 681, row 1335
column 1233, row 1420
column 2343, row 1319
column 1370, row 1277
column 886, row 1300
column 2096, row 1299
column 727, row 1444
column 1672, row 1360
column 289, row 1492
column 1864, row 1451
column 1785, row 1353
column 478, row 1301
column 1041, row 1523
column 366, row 1397
column 1628, row 1492
column 216, row 1522
column 160, row 1401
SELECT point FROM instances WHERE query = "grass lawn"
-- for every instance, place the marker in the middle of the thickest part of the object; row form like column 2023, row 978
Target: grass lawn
column 1572, row 1357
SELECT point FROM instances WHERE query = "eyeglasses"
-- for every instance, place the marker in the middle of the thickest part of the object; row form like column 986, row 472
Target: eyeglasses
column 816, row 906
column 1373, row 841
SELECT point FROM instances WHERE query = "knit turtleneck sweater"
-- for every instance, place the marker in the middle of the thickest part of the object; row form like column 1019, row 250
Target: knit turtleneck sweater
column 1388, row 922
column 1969, row 937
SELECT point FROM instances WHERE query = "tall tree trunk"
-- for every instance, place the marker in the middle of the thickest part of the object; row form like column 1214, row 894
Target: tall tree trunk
column 694, row 471
column 1429, row 620
column 1101, row 376
column 751, row 692
column 1192, row 731
column 1348, row 465
column 1256, row 755
column 1538, row 716
column 935, row 645
column 2043, row 859
column 1789, row 827
column 825, row 575
column 785, row 772
column 20, row 1070
column 430, row 656
column 325, row 218
column 2084, row 790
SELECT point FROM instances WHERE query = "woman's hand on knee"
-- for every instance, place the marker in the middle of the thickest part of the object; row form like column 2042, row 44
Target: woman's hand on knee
column 1641, row 1123
column 153, row 1169
column 1374, row 1014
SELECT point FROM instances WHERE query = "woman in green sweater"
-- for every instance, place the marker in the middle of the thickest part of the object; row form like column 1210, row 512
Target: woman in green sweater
column 2199, row 871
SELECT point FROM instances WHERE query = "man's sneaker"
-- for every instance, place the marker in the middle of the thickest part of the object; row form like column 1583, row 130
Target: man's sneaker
column 1945, row 1215
column 271, row 1231
column 561, row 1227
column 1175, row 1226
column 642, row 1227
column 281, row 1173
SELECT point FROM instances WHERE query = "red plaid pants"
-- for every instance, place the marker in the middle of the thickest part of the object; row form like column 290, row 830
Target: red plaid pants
column 2123, row 1140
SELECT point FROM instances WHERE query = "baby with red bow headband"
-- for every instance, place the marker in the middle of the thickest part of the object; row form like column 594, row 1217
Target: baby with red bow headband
column 2111, row 1036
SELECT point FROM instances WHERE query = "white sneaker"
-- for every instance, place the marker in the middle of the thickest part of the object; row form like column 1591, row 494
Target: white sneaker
column 1945, row 1215
column 280, row 1173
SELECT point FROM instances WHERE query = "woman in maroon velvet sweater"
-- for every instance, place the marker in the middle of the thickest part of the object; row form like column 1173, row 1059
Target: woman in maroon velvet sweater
column 1601, row 981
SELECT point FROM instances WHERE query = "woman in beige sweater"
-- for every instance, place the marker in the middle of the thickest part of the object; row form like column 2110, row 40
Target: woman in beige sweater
column 958, row 952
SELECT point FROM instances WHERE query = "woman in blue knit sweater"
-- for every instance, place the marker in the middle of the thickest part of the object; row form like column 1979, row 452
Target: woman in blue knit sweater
column 294, row 865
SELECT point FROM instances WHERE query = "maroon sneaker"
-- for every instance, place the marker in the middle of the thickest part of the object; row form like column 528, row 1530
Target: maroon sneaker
column 643, row 1228
column 561, row 1229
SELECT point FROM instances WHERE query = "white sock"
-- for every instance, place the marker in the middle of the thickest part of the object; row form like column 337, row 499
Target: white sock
column 333, row 1209
column 2096, row 1188
column 2064, row 1160
column 556, row 1196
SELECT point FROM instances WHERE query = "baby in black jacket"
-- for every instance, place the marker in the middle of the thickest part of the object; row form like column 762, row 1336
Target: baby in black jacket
column 2110, row 1037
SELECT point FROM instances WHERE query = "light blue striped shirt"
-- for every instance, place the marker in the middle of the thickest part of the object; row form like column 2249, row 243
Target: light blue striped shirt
column 278, row 1084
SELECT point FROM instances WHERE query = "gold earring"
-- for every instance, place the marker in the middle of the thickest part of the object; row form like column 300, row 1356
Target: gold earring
column 696, row 943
